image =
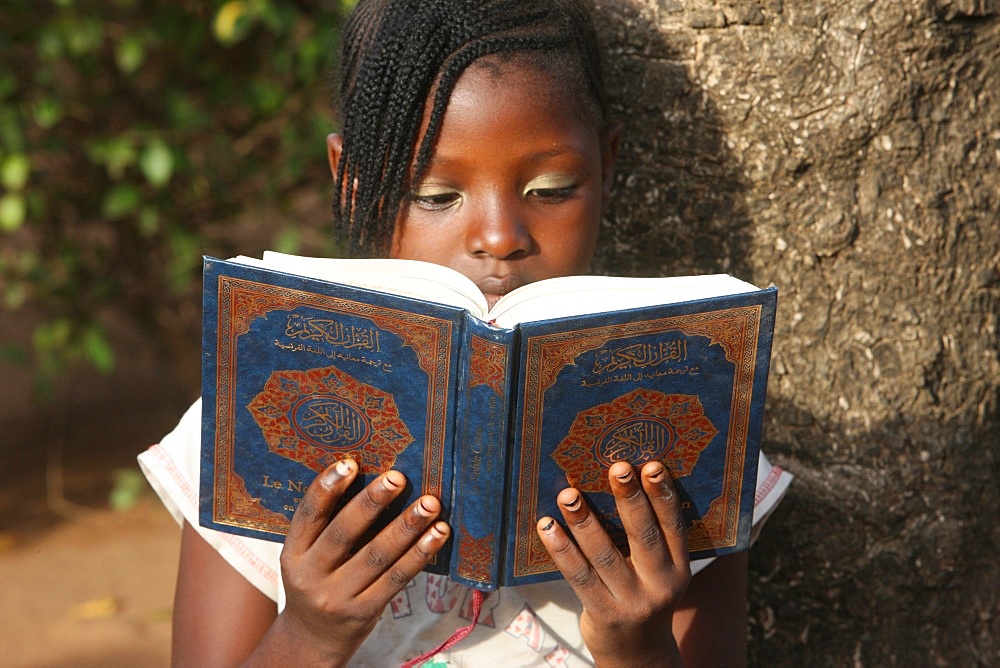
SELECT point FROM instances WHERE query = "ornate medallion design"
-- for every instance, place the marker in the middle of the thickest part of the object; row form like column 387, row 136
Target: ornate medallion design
column 641, row 426
column 319, row 416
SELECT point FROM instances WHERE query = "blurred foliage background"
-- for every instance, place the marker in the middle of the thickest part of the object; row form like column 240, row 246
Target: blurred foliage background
column 137, row 135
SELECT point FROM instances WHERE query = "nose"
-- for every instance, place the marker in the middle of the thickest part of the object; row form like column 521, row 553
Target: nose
column 499, row 230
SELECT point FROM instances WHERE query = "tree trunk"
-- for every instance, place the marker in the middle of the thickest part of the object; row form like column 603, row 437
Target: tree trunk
column 848, row 152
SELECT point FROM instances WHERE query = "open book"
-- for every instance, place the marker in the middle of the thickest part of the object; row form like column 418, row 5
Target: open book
column 398, row 364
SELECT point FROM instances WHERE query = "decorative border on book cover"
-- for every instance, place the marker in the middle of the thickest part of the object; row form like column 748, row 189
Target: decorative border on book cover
column 736, row 330
column 477, row 556
column 240, row 302
column 487, row 364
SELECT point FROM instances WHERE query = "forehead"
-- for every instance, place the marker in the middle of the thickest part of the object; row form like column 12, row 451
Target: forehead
column 518, row 97
column 556, row 76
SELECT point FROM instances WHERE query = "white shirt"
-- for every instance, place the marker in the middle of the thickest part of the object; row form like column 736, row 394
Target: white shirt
column 530, row 625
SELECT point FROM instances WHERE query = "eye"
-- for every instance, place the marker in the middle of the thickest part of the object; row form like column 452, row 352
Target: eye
column 434, row 198
column 552, row 195
column 551, row 188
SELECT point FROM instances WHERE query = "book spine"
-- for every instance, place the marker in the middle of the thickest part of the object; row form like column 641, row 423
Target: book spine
column 481, row 435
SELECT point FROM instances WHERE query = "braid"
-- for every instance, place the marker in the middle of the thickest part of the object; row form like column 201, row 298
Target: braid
column 397, row 52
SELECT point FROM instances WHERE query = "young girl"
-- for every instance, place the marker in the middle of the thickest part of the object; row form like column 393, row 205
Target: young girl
column 475, row 135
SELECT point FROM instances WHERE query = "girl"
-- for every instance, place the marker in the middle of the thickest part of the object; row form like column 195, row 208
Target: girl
column 475, row 135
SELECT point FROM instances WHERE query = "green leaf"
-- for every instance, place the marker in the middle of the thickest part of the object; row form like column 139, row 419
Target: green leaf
column 130, row 54
column 38, row 204
column 157, row 163
column 47, row 112
column 52, row 335
column 121, row 201
column 117, row 154
column 8, row 84
column 232, row 22
column 267, row 96
column 97, row 350
column 288, row 240
column 50, row 44
column 15, row 296
column 184, row 113
column 185, row 259
column 12, row 212
column 11, row 131
column 128, row 487
column 14, row 353
column 14, row 171
column 84, row 36
column 279, row 18
column 148, row 221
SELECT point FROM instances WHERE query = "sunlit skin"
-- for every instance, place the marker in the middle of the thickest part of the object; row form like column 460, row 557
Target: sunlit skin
column 514, row 193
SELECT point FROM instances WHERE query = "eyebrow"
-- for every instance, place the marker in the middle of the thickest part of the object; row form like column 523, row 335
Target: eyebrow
column 556, row 152
column 538, row 156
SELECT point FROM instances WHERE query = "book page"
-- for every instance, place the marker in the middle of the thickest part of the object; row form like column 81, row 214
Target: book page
column 578, row 295
column 408, row 278
column 552, row 298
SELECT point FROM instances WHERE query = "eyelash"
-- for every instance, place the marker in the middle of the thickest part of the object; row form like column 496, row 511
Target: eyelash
column 438, row 202
column 443, row 201
column 553, row 195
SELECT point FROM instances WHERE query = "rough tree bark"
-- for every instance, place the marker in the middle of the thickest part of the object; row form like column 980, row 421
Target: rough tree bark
column 848, row 152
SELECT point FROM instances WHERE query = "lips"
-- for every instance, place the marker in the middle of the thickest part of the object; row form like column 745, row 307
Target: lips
column 495, row 287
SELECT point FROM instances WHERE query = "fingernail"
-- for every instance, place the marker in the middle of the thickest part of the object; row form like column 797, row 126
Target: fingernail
column 659, row 476
column 388, row 483
column 440, row 529
column 548, row 526
column 574, row 504
column 335, row 474
column 423, row 510
column 624, row 477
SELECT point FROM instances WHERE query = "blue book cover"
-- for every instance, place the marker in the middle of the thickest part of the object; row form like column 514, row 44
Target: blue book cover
column 299, row 373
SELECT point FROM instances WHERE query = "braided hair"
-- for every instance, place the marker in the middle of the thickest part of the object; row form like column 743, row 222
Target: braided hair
column 397, row 53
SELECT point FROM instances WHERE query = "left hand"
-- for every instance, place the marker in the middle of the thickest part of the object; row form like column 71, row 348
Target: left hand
column 628, row 602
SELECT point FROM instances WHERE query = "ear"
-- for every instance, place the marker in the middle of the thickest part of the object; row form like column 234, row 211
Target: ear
column 334, row 149
column 609, row 153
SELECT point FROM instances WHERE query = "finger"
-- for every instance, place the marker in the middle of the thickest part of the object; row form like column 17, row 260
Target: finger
column 384, row 552
column 335, row 543
column 416, row 558
column 317, row 505
column 666, row 503
column 646, row 538
column 571, row 562
column 594, row 542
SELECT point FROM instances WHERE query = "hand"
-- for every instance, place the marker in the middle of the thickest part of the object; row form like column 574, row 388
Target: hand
column 335, row 598
column 628, row 602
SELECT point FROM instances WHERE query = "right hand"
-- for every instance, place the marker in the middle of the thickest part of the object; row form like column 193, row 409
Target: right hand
column 628, row 602
column 334, row 597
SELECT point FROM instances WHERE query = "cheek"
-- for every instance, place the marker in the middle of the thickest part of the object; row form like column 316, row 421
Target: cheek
column 413, row 240
column 406, row 237
column 574, row 242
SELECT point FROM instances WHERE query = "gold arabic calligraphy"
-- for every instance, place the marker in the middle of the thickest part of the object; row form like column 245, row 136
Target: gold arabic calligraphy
column 640, row 355
column 330, row 331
